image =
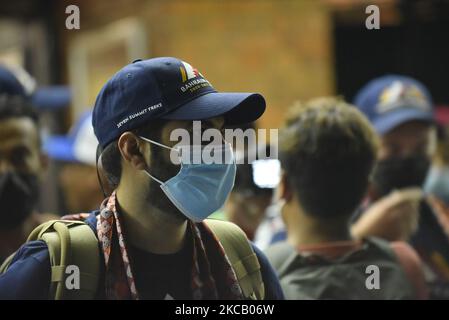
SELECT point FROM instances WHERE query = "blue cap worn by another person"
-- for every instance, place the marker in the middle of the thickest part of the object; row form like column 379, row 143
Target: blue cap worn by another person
column 165, row 88
column 16, row 81
column 392, row 100
column 78, row 146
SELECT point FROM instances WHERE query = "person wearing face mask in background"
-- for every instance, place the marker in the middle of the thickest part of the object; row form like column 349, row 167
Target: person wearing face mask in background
column 396, row 208
column 21, row 166
column 22, row 162
column 154, row 242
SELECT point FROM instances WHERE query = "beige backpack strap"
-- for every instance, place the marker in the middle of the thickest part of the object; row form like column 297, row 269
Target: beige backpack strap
column 70, row 243
column 241, row 256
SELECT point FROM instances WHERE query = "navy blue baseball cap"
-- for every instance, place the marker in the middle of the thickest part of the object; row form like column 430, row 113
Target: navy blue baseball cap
column 392, row 100
column 165, row 88
column 16, row 81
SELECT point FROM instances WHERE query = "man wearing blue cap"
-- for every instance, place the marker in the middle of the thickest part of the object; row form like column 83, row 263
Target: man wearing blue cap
column 22, row 164
column 22, row 161
column 401, row 110
column 153, row 237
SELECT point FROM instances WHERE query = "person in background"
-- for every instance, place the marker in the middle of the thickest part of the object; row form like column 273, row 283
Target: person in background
column 22, row 164
column 251, row 195
column 396, row 208
column 76, row 153
column 327, row 151
column 272, row 228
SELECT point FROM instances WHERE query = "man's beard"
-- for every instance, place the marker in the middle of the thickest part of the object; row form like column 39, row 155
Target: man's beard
column 163, row 170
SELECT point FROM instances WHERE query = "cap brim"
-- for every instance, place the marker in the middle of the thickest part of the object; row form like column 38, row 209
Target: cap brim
column 60, row 148
column 237, row 108
column 393, row 119
column 52, row 97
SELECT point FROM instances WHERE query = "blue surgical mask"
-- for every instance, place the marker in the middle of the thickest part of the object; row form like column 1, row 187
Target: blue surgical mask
column 198, row 190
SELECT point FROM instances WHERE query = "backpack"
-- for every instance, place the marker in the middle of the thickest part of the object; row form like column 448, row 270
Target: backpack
column 75, row 243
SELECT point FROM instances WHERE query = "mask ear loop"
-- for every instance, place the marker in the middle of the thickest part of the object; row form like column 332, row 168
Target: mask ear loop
column 227, row 146
column 98, row 155
column 160, row 145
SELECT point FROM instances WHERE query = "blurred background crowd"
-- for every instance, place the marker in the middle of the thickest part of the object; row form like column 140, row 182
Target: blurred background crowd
column 287, row 50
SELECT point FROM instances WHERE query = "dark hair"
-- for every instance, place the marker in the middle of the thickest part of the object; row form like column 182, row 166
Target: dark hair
column 16, row 107
column 327, row 150
column 111, row 159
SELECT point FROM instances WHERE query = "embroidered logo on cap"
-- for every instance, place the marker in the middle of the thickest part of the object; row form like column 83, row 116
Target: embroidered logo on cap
column 399, row 95
column 192, row 79
column 188, row 72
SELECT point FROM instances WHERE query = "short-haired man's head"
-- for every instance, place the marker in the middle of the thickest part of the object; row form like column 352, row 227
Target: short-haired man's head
column 327, row 151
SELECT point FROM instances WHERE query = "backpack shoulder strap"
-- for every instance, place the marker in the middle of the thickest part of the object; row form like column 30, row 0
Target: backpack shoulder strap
column 241, row 256
column 70, row 243
column 411, row 264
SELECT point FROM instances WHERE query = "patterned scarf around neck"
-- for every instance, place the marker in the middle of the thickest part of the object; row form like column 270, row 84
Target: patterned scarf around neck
column 212, row 274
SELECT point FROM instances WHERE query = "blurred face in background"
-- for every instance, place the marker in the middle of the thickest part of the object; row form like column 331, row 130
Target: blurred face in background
column 80, row 187
column 21, row 166
column 404, row 157
column 19, row 146
column 247, row 211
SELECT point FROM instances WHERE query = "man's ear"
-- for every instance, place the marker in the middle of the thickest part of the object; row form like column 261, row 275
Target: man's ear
column 131, row 150
column 284, row 188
